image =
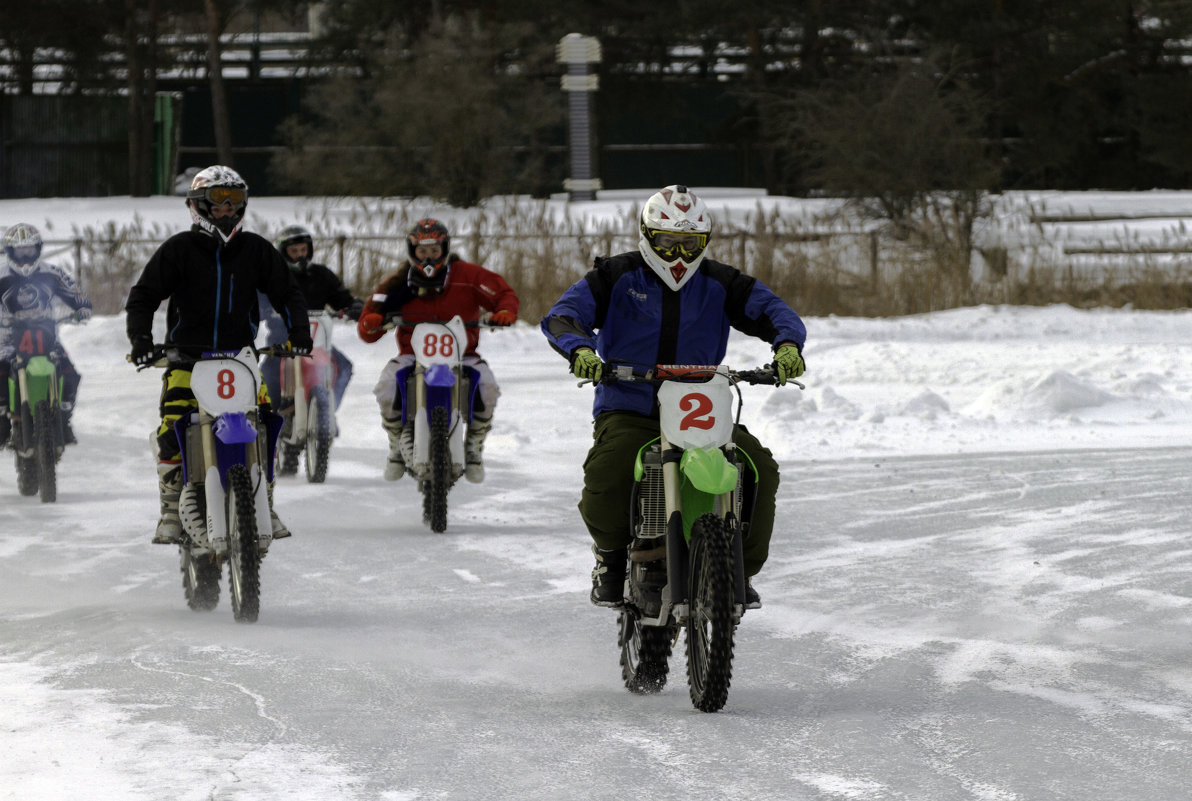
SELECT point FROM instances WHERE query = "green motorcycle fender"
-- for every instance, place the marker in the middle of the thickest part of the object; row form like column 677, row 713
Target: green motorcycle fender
column 706, row 474
column 38, row 374
column 708, row 470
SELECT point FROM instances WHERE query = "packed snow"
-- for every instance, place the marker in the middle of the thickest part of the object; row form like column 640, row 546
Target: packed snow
column 980, row 587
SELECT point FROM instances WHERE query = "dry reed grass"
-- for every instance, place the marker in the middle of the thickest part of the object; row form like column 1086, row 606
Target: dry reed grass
column 821, row 266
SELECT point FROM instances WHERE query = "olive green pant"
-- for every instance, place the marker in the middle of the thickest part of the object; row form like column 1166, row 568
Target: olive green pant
column 608, row 482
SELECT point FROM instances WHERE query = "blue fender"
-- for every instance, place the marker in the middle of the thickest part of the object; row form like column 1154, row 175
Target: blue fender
column 440, row 379
column 234, row 429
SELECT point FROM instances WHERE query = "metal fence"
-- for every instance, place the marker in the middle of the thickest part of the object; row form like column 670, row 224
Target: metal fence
column 538, row 268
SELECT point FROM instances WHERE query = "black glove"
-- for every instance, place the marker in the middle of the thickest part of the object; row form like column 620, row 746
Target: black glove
column 142, row 350
column 300, row 341
column 353, row 311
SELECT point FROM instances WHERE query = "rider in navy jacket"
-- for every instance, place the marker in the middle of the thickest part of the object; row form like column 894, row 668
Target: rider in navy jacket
column 642, row 321
column 665, row 303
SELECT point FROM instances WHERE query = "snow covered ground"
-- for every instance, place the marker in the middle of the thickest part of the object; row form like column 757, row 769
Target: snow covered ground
column 980, row 589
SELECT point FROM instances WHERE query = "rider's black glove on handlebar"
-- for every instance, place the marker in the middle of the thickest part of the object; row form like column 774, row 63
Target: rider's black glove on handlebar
column 300, row 341
column 142, row 350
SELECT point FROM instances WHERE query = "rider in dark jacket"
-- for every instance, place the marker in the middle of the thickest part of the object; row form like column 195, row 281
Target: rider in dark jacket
column 664, row 303
column 211, row 275
column 322, row 289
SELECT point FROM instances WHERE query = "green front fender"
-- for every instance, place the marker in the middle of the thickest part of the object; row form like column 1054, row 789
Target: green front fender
column 39, row 372
column 708, row 470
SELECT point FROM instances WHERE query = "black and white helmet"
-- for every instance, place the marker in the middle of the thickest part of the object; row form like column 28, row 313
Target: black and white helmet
column 22, row 245
column 296, row 235
column 216, row 186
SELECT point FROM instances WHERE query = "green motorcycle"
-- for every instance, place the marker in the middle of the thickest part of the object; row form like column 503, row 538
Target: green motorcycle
column 34, row 389
column 692, row 496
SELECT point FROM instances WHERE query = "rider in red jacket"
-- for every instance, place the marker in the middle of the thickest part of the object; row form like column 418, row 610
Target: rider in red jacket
column 436, row 285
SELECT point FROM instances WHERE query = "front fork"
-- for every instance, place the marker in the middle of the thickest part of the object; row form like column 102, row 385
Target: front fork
column 212, row 461
column 23, row 407
column 433, row 389
column 675, row 595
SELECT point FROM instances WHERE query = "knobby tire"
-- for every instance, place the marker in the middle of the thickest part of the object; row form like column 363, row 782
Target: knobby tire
column 710, row 626
column 46, row 451
column 318, row 436
column 645, row 651
column 26, row 465
column 287, row 458
column 438, row 482
column 200, row 579
column 244, row 559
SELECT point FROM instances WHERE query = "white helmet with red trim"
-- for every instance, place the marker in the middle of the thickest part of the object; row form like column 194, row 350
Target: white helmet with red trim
column 675, row 228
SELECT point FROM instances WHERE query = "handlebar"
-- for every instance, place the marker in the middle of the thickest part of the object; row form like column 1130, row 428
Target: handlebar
column 616, row 372
column 164, row 355
column 396, row 320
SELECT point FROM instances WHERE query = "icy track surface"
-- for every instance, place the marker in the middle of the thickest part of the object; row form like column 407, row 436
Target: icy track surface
column 979, row 590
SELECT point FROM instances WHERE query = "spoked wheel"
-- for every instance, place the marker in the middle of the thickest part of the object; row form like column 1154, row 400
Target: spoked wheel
column 438, row 482
column 710, row 626
column 318, row 435
column 644, row 653
column 200, row 580
column 45, row 423
column 244, row 560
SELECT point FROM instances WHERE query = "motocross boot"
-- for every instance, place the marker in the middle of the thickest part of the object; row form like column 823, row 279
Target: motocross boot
column 280, row 532
column 752, row 599
column 395, row 466
column 608, row 577
column 68, row 437
column 5, row 426
column 169, row 485
column 474, row 449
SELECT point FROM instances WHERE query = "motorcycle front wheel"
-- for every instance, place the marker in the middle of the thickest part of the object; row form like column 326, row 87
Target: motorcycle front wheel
column 244, row 558
column 438, row 482
column 318, row 435
column 45, row 422
column 710, row 626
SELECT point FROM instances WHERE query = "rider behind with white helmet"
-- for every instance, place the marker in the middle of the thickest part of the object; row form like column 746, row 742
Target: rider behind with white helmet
column 35, row 291
column 664, row 303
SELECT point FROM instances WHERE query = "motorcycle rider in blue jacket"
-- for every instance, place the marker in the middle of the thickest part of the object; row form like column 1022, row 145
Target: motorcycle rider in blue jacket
column 665, row 303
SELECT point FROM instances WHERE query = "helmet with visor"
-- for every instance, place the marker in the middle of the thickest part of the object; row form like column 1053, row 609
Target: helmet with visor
column 217, row 199
column 429, row 245
column 22, row 246
column 675, row 228
column 289, row 242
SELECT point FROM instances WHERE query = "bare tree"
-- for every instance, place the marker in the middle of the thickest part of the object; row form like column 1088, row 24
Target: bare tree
column 140, row 40
column 217, row 20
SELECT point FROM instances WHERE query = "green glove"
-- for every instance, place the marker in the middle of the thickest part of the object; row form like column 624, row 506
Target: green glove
column 788, row 362
column 586, row 364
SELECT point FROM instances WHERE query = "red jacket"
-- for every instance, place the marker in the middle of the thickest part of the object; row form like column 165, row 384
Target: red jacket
column 470, row 290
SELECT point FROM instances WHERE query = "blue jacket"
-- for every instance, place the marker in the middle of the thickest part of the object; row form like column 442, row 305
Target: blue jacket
column 639, row 320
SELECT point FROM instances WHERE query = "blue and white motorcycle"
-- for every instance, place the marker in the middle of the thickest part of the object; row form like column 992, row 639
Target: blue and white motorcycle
column 437, row 395
column 228, row 448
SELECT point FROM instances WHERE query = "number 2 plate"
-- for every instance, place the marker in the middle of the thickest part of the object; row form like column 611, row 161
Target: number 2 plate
column 696, row 415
